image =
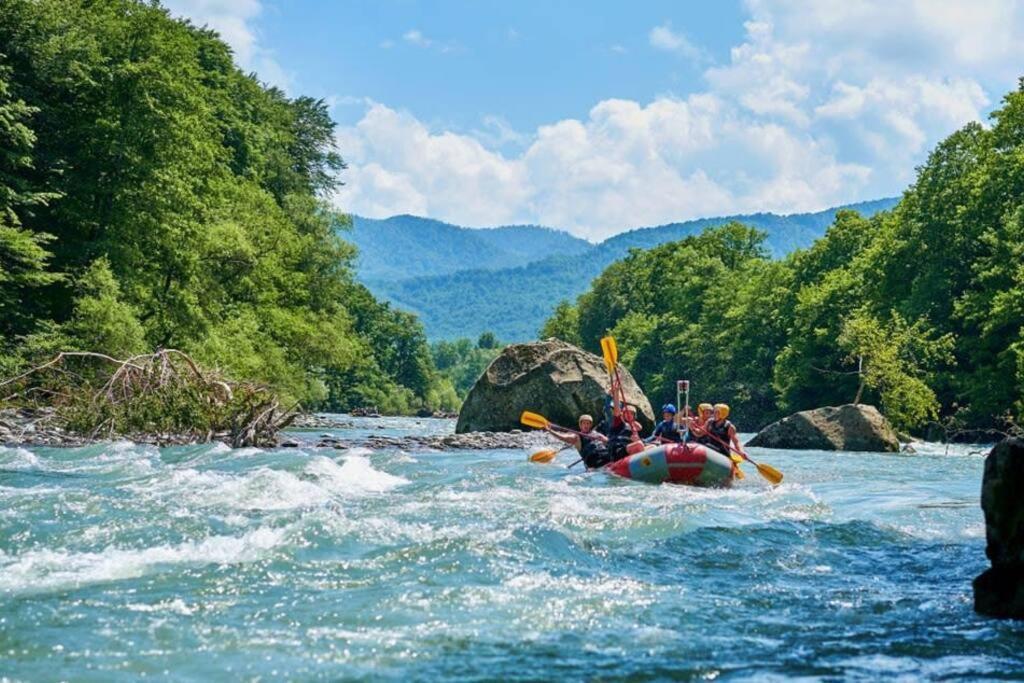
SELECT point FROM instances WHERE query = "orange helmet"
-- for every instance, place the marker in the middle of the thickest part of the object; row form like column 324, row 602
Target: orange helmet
column 703, row 410
column 721, row 411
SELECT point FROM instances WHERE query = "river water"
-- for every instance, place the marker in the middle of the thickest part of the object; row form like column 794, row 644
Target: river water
column 120, row 561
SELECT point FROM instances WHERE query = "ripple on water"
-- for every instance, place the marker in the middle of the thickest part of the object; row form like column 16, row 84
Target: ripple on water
column 390, row 564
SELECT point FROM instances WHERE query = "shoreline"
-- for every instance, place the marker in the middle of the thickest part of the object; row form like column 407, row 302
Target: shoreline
column 41, row 428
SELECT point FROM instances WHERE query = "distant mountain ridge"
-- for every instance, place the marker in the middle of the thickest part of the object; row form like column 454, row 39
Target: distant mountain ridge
column 405, row 246
column 464, row 281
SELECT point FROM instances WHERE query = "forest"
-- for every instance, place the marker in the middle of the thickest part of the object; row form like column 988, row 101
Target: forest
column 152, row 195
column 919, row 309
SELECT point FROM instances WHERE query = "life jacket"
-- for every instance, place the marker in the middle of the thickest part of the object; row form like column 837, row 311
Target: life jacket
column 718, row 435
column 619, row 436
column 593, row 452
column 668, row 431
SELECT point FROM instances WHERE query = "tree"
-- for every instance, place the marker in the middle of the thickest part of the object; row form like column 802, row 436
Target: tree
column 893, row 359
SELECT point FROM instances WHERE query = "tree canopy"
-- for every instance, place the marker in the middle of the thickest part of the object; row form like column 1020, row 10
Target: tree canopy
column 154, row 195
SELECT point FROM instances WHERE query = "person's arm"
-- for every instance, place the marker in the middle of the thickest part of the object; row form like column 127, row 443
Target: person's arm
column 564, row 437
column 655, row 436
column 735, row 440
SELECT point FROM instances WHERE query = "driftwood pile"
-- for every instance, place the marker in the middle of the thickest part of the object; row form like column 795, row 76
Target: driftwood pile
column 157, row 397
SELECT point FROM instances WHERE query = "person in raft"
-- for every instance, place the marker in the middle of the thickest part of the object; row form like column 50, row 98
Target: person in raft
column 622, row 431
column 695, row 426
column 667, row 430
column 720, row 433
column 591, row 444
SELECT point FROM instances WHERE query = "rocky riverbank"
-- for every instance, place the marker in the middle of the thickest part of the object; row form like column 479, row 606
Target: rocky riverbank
column 44, row 428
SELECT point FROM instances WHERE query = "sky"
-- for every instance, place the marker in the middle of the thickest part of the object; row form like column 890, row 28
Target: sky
column 599, row 117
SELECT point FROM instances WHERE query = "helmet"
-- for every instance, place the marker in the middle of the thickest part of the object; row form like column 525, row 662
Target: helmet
column 704, row 408
column 586, row 417
column 721, row 411
column 668, row 408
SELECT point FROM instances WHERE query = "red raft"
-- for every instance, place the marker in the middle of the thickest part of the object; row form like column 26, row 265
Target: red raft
column 678, row 463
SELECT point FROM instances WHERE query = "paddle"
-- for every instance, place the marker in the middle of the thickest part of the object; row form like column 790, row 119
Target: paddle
column 766, row 471
column 610, row 351
column 546, row 455
column 540, row 422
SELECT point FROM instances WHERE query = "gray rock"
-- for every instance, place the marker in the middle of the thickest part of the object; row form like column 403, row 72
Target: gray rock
column 553, row 378
column 846, row 428
column 999, row 590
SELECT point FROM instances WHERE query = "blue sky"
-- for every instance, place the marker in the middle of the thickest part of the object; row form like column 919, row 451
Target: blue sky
column 599, row 117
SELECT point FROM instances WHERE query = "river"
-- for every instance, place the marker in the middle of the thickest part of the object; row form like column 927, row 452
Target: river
column 119, row 561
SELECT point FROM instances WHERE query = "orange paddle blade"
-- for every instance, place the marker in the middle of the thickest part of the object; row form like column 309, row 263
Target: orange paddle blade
column 534, row 420
column 543, row 456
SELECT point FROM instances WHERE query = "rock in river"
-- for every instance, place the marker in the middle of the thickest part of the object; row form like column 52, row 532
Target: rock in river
column 846, row 428
column 999, row 591
column 553, row 378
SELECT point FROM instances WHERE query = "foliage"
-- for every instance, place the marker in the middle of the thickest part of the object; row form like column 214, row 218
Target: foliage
column 153, row 195
column 890, row 357
column 461, row 362
column 163, row 395
column 928, row 299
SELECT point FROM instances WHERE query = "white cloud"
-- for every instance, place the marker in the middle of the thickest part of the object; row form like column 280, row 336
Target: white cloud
column 235, row 21
column 819, row 104
column 416, row 38
column 664, row 38
column 625, row 165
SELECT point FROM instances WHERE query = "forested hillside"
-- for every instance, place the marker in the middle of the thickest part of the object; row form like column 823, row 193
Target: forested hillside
column 153, row 195
column 514, row 302
column 926, row 300
column 403, row 247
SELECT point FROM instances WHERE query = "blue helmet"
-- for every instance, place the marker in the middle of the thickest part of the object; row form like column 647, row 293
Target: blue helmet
column 668, row 408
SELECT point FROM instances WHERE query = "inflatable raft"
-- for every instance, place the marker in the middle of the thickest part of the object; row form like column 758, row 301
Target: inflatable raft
column 677, row 463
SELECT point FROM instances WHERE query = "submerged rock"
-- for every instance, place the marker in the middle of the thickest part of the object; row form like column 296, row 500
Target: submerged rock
column 851, row 427
column 999, row 591
column 553, row 378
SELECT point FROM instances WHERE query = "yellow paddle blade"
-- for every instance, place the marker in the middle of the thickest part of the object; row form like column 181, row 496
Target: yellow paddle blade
column 610, row 350
column 735, row 458
column 738, row 473
column 543, row 456
column 533, row 420
column 770, row 473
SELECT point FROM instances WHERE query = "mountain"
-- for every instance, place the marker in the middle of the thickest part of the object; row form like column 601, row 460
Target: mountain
column 403, row 247
column 515, row 300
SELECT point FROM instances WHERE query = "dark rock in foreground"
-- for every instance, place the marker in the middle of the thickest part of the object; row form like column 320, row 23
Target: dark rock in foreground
column 846, row 428
column 999, row 591
column 553, row 378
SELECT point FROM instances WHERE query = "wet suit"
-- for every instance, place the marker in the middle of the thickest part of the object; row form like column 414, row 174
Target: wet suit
column 668, row 430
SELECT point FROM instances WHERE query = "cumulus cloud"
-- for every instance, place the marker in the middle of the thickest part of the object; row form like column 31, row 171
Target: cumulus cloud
column 818, row 104
column 235, row 21
column 623, row 166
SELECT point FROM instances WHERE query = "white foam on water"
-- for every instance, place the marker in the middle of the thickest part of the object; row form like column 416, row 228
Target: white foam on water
column 354, row 476
column 19, row 459
column 46, row 570
column 358, row 450
column 260, row 489
column 175, row 606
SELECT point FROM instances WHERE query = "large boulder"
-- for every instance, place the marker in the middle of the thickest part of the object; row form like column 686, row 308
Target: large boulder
column 852, row 427
column 553, row 378
column 999, row 591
